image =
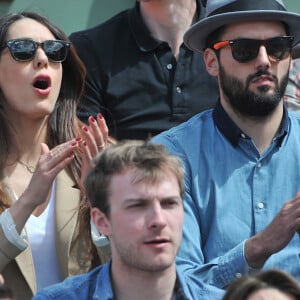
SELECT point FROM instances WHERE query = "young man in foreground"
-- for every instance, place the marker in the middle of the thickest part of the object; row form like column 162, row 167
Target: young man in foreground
column 136, row 191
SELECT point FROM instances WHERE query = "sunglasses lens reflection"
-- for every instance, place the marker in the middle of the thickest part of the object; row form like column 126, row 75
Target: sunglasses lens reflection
column 25, row 49
column 244, row 50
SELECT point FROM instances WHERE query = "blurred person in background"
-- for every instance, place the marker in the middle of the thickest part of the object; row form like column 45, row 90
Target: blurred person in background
column 140, row 75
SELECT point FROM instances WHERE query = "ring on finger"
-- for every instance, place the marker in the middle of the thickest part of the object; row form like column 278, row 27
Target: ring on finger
column 50, row 155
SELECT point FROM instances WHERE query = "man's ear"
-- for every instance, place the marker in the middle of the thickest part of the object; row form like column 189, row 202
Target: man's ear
column 211, row 62
column 101, row 221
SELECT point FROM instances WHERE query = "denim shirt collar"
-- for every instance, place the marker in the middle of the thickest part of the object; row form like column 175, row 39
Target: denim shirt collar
column 141, row 33
column 233, row 133
column 104, row 290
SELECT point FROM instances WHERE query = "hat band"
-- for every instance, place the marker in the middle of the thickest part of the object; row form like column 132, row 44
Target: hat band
column 246, row 5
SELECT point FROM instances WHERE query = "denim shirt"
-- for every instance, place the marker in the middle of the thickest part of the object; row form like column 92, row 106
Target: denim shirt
column 232, row 193
column 97, row 285
column 94, row 285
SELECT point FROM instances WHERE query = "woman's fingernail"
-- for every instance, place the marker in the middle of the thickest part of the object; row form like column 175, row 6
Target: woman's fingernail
column 100, row 116
column 92, row 119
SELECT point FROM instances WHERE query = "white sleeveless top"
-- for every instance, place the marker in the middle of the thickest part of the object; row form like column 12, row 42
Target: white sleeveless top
column 41, row 235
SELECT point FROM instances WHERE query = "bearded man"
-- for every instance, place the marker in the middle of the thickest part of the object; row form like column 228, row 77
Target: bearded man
column 242, row 159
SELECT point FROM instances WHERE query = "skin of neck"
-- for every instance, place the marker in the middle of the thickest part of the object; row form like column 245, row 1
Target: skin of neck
column 28, row 139
column 168, row 20
column 134, row 284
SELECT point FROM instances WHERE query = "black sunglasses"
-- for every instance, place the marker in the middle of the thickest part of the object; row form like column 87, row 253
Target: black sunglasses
column 245, row 50
column 24, row 49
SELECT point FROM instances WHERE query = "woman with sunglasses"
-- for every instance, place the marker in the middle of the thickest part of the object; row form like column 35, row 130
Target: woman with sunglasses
column 42, row 240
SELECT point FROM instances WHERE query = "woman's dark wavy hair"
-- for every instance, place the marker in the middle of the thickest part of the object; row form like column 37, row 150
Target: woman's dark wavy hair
column 63, row 124
column 243, row 287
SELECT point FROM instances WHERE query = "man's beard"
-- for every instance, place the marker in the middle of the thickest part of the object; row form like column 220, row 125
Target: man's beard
column 248, row 103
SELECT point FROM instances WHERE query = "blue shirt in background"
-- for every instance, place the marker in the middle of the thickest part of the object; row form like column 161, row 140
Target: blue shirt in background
column 232, row 193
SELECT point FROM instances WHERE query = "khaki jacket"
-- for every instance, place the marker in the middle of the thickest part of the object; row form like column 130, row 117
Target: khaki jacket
column 17, row 267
